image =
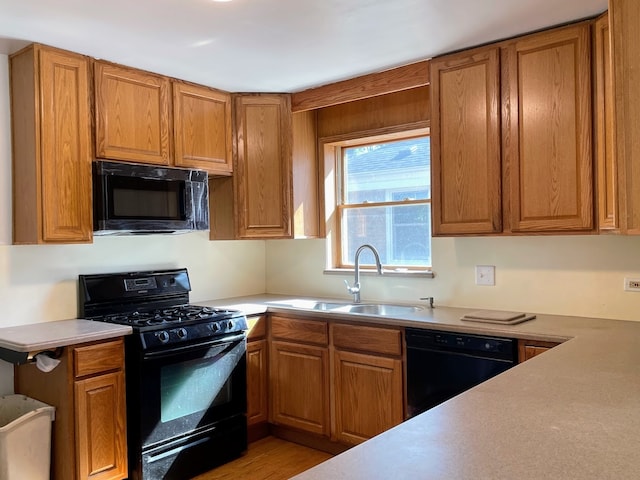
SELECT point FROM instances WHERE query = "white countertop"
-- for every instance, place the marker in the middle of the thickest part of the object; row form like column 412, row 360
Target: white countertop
column 49, row 335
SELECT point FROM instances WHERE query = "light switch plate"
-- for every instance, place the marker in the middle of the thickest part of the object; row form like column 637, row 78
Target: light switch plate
column 485, row 275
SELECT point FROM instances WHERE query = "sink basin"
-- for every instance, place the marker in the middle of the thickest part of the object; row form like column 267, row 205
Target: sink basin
column 379, row 309
column 329, row 305
column 383, row 309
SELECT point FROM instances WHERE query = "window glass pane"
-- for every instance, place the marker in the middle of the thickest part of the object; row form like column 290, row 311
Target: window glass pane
column 387, row 171
column 401, row 234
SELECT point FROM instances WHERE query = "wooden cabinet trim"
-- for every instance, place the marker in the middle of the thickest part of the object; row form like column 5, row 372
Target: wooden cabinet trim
column 366, row 86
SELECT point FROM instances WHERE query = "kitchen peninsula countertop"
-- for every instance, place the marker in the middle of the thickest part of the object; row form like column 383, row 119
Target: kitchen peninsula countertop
column 37, row 337
column 572, row 413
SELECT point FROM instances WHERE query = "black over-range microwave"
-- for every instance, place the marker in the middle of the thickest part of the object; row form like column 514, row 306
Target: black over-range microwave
column 130, row 198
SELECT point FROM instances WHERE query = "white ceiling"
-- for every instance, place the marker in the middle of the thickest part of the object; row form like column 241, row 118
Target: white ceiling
column 274, row 45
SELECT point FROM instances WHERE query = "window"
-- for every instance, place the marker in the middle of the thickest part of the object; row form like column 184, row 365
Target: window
column 384, row 198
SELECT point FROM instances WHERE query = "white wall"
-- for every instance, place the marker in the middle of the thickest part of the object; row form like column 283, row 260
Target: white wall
column 563, row 275
column 38, row 283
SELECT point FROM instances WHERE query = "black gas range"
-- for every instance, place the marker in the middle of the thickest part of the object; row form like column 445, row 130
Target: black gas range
column 156, row 305
column 185, row 371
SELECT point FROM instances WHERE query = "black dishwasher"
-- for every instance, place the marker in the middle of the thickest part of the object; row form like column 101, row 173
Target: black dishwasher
column 440, row 365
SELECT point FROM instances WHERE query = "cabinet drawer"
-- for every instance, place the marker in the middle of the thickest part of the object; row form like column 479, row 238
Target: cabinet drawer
column 386, row 341
column 307, row 331
column 99, row 357
column 257, row 327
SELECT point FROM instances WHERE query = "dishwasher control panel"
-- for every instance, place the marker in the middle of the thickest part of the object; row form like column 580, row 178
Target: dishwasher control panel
column 462, row 343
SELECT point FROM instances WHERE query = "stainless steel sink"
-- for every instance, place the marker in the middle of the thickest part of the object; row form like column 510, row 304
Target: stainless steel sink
column 382, row 309
column 379, row 309
column 329, row 305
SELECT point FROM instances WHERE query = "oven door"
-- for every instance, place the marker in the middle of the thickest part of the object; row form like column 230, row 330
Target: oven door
column 187, row 389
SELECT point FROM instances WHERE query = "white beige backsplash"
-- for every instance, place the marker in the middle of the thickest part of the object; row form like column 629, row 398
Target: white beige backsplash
column 565, row 275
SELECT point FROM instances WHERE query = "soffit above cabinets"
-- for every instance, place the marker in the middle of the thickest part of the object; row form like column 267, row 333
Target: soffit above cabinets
column 274, row 45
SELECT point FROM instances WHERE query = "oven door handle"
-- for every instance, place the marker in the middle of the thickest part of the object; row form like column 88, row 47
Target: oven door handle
column 194, row 346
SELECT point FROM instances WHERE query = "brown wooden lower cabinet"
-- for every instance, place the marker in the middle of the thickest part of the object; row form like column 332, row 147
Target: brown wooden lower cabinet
column 257, row 406
column 342, row 382
column 368, row 395
column 299, row 386
column 88, row 391
column 528, row 349
column 367, row 388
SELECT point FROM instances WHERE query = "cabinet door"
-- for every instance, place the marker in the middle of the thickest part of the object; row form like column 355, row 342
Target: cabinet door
column 624, row 17
column 548, row 128
column 465, row 143
column 605, row 158
column 66, row 148
column 202, row 128
column 101, row 427
column 132, row 115
column 257, row 382
column 299, row 382
column 368, row 395
column 263, row 171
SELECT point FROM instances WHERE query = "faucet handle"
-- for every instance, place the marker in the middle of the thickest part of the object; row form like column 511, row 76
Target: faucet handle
column 354, row 289
column 429, row 299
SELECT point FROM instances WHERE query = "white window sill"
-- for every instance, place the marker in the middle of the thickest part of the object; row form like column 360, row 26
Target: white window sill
column 386, row 272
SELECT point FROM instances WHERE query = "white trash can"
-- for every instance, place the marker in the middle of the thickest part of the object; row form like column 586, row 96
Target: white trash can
column 25, row 438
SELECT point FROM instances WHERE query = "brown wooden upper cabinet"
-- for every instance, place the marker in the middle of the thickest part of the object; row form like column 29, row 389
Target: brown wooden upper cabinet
column 608, row 217
column 539, row 178
column 547, row 131
column 465, row 142
column 132, row 115
column 262, row 183
column 50, row 110
column 624, row 21
column 202, row 128
column 137, row 110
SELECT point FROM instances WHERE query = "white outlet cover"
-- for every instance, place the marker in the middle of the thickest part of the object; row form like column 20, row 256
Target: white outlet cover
column 485, row 275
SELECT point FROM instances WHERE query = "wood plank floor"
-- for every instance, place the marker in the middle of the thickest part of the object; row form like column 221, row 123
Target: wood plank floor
column 268, row 459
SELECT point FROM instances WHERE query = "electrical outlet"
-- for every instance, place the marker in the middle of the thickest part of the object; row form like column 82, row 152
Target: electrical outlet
column 485, row 275
column 632, row 284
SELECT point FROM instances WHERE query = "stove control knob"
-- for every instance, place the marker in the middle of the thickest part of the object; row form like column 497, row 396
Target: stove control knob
column 230, row 325
column 163, row 336
column 214, row 327
column 182, row 333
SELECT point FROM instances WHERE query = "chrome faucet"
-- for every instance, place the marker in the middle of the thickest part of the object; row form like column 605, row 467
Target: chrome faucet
column 355, row 289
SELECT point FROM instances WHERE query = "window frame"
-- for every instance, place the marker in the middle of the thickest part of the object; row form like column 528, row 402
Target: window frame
column 331, row 150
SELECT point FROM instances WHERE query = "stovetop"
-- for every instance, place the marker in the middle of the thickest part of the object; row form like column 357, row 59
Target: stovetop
column 156, row 305
column 169, row 316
